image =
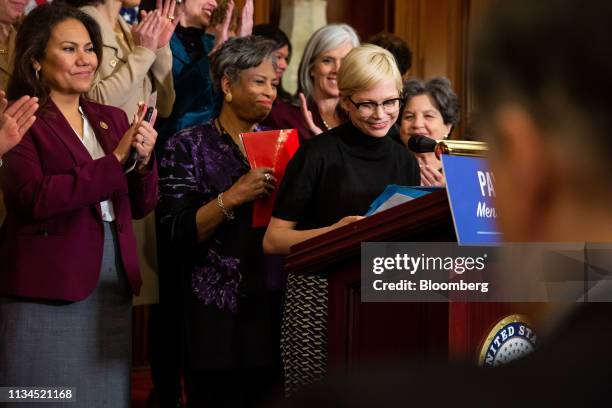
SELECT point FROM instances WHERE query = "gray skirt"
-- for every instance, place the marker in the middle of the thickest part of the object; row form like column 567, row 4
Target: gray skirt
column 85, row 345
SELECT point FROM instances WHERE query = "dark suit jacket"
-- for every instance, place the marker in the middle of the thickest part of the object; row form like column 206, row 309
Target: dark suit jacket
column 52, row 240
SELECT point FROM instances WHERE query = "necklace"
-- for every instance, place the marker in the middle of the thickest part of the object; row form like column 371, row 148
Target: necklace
column 325, row 123
column 239, row 148
column 333, row 116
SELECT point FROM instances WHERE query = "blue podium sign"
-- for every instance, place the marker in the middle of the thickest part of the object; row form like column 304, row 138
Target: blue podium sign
column 470, row 186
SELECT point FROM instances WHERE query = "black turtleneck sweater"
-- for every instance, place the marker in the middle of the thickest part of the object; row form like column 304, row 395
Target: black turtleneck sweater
column 340, row 173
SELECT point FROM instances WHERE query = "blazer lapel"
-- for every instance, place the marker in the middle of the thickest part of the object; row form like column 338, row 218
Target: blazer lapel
column 101, row 126
column 106, row 134
column 58, row 124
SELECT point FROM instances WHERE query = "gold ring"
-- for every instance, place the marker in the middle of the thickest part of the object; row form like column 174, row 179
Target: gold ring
column 267, row 177
column 171, row 18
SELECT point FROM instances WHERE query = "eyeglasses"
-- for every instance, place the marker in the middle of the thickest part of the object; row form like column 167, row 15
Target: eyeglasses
column 368, row 108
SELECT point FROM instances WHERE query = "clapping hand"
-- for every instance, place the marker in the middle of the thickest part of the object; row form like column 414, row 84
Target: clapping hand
column 222, row 30
column 246, row 19
column 432, row 177
column 169, row 21
column 156, row 27
column 141, row 136
column 146, row 32
column 431, row 170
column 15, row 120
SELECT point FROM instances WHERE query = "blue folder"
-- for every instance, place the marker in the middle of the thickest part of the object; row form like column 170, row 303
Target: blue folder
column 395, row 195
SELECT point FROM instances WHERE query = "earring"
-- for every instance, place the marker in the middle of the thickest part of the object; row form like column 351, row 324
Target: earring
column 228, row 97
column 36, row 74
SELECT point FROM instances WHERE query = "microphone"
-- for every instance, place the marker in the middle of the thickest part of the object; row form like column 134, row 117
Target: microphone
column 422, row 144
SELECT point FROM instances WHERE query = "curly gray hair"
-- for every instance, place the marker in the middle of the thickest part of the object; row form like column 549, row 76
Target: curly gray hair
column 238, row 54
column 442, row 94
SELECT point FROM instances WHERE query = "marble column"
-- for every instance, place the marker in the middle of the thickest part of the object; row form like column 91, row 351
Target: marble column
column 299, row 19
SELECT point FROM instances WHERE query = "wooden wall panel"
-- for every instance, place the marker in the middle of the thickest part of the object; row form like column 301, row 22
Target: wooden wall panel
column 407, row 26
column 267, row 11
column 436, row 31
column 365, row 16
column 262, row 11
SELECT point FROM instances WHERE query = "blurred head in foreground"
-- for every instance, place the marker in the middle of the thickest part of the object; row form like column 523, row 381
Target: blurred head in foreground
column 543, row 86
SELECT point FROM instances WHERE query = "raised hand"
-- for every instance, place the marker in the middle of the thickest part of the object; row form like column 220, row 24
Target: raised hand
column 307, row 115
column 141, row 136
column 431, row 170
column 146, row 32
column 221, row 31
column 432, row 177
column 15, row 120
column 169, row 21
column 246, row 19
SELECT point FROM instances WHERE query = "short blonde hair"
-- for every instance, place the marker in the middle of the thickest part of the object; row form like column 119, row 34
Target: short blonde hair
column 365, row 66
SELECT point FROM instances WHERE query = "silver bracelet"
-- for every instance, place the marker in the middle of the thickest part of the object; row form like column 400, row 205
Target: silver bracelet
column 229, row 214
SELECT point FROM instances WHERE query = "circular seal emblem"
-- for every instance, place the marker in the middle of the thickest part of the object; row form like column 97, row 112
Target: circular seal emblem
column 511, row 338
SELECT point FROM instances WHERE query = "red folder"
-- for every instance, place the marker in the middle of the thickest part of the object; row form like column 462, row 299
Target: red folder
column 270, row 148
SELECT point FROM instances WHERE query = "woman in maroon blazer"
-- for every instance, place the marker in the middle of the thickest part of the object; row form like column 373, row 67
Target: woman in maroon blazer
column 68, row 257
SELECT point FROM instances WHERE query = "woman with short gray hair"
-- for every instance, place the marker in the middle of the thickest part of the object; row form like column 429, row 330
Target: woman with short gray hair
column 318, row 108
column 431, row 109
column 237, row 56
column 207, row 191
column 440, row 90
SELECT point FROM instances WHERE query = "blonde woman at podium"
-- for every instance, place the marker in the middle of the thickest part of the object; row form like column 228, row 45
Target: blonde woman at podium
column 332, row 179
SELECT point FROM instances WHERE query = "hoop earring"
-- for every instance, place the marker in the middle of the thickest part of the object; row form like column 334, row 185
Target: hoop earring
column 228, row 97
column 36, row 74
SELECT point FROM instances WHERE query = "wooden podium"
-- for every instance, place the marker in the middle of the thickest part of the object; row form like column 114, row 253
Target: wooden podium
column 359, row 333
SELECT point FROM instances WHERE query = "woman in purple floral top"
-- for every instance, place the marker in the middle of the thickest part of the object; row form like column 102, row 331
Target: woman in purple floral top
column 207, row 194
